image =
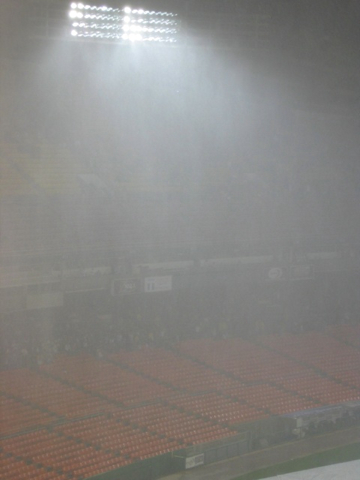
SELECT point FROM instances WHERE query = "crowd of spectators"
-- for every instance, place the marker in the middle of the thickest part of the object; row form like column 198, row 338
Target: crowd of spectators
column 103, row 325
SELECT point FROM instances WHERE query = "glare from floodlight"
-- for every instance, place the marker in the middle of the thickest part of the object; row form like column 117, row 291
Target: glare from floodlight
column 102, row 22
column 135, row 37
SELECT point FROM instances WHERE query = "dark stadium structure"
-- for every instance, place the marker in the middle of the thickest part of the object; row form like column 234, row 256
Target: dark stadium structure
column 179, row 232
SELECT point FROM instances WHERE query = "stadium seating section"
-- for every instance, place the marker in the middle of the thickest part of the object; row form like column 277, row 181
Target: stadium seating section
column 80, row 415
column 44, row 168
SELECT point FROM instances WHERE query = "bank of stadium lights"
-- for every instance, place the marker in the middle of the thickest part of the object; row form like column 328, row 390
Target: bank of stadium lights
column 122, row 24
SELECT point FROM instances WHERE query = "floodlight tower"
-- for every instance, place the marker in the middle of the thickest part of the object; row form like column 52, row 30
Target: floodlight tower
column 122, row 25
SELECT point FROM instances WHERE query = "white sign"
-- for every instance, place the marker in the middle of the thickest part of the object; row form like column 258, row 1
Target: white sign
column 301, row 271
column 158, row 284
column 192, row 462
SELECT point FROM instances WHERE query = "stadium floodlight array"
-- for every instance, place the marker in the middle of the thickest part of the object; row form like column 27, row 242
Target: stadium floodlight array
column 122, row 24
